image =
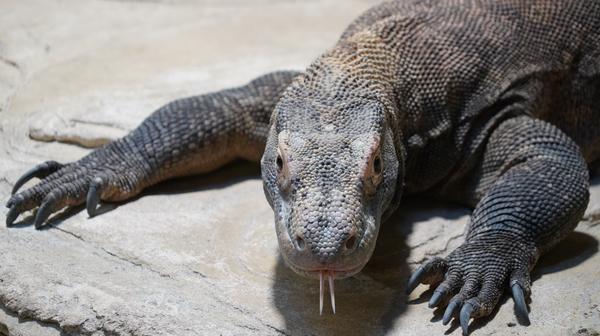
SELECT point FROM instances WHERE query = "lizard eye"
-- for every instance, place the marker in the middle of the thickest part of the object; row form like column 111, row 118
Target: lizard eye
column 377, row 165
column 279, row 162
column 283, row 174
column 373, row 173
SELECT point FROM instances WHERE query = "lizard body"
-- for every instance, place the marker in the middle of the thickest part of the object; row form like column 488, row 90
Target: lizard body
column 491, row 104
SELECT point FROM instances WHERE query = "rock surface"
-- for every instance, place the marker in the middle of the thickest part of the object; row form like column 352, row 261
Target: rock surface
column 198, row 256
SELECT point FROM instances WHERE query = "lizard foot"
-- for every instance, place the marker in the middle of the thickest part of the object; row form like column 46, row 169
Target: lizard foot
column 99, row 175
column 471, row 280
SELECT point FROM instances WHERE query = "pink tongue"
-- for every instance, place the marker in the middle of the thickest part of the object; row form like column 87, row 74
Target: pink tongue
column 330, row 278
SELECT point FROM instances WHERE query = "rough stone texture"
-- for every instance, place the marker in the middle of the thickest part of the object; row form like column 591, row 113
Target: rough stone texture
column 199, row 256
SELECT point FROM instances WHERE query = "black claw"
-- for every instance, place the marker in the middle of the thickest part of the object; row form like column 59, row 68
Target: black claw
column 93, row 198
column 450, row 311
column 436, row 298
column 42, row 214
column 31, row 173
column 415, row 279
column 465, row 317
column 39, row 171
column 12, row 215
column 520, row 306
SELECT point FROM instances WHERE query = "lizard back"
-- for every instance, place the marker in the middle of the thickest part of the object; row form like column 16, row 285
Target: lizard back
column 461, row 67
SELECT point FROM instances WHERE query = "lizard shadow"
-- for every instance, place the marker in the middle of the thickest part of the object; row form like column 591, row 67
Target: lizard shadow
column 376, row 295
column 370, row 302
column 54, row 220
column 232, row 173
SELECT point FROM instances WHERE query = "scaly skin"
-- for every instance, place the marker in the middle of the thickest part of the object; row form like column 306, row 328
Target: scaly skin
column 188, row 136
column 492, row 105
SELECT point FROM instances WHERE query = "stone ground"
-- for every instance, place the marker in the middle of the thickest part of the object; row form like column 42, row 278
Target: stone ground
column 199, row 256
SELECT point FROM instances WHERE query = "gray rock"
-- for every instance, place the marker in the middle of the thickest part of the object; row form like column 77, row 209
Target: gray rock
column 199, row 256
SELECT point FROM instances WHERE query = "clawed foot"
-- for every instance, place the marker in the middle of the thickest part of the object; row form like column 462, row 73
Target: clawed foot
column 100, row 175
column 471, row 280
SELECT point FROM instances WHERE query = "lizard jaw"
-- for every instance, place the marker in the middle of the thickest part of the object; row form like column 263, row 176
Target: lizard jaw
column 340, row 273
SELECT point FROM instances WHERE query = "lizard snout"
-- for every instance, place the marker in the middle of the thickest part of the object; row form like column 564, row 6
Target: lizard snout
column 350, row 244
column 324, row 245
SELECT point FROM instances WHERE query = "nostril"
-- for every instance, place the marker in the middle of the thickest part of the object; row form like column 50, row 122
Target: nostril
column 300, row 244
column 351, row 242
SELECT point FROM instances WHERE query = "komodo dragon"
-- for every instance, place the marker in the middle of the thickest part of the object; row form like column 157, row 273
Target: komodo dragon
column 494, row 104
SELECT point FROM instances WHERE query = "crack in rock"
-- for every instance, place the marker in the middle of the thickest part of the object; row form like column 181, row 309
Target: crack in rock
column 10, row 63
column 138, row 264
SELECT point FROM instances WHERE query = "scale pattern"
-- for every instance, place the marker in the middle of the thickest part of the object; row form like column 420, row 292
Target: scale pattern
column 493, row 104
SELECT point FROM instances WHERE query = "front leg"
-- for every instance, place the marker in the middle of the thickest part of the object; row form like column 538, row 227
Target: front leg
column 532, row 190
column 188, row 136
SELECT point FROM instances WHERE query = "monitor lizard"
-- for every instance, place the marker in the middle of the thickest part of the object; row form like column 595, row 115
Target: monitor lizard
column 495, row 105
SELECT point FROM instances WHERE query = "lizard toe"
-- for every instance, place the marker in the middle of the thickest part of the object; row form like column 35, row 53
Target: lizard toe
column 451, row 310
column 24, row 201
column 452, row 282
column 69, row 194
column 520, row 286
column 97, row 185
column 468, row 289
column 431, row 272
column 482, row 304
column 40, row 171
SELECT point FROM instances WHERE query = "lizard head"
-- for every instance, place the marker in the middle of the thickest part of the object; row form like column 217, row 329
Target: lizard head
column 330, row 171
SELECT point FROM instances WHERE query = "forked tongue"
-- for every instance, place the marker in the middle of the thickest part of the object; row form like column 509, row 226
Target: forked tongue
column 329, row 275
